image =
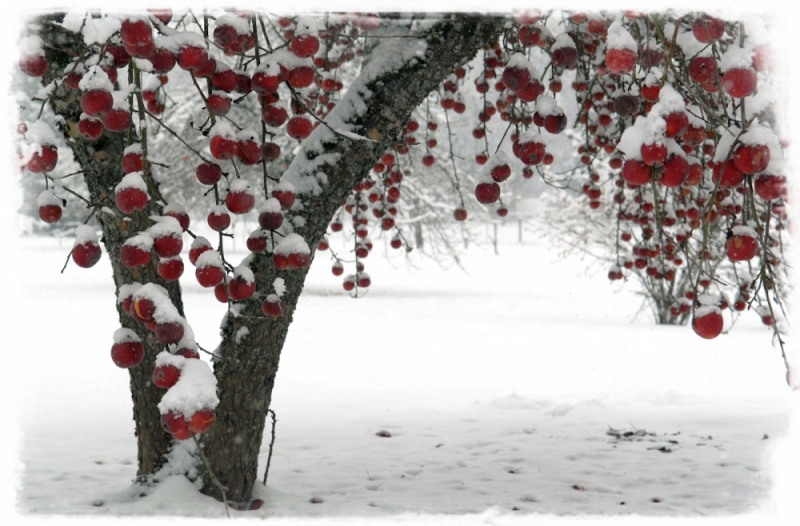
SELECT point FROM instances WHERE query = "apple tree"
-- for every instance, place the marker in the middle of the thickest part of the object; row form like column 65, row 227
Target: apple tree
column 393, row 125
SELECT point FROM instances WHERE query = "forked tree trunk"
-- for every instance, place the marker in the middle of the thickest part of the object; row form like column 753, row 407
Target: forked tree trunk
column 249, row 358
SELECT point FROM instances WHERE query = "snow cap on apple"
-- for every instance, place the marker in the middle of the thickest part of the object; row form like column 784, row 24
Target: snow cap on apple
column 195, row 390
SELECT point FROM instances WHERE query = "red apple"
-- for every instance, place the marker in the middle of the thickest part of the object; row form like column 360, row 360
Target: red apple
column 709, row 325
column 239, row 289
column 209, row 276
column 137, row 38
column 272, row 307
column 701, row 70
column 208, row 173
column 96, row 101
column 240, row 202
column 222, row 148
column 50, row 213
column 676, row 170
column 199, row 246
column 90, row 128
column 33, row 65
column 620, row 61
column 201, row 420
column 171, row 268
column 751, row 158
column 274, row 115
column 130, row 200
column 769, row 187
column 299, row 127
column 127, row 354
column 654, row 153
column 707, row 28
column 133, row 255
column 635, row 172
column 218, row 105
column 169, row 333
column 174, row 423
column 741, row 246
column 487, row 192
column 739, row 82
column 43, row 161
column 304, row 46
column 301, row 77
column 192, row 58
column 218, row 220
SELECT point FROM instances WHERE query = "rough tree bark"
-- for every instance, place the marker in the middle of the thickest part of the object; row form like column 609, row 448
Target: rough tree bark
column 248, row 364
column 101, row 162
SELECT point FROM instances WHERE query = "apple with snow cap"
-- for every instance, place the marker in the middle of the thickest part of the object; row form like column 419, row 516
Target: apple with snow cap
column 86, row 250
column 127, row 350
column 209, row 271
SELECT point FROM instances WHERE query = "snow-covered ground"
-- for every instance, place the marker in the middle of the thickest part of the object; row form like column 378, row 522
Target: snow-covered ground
column 524, row 386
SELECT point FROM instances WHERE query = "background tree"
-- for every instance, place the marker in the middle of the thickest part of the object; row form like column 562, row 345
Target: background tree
column 353, row 124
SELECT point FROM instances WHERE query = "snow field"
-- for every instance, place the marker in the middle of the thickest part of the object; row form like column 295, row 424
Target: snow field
column 498, row 388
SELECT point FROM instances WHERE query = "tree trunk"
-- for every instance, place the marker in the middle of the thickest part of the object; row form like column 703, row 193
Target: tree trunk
column 246, row 372
column 101, row 162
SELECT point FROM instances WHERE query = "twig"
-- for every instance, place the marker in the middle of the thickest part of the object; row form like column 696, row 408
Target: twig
column 271, row 443
column 214, row 480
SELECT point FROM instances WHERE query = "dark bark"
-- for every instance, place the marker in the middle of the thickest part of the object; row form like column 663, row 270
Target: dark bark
column 101, row 162
column 246, row 374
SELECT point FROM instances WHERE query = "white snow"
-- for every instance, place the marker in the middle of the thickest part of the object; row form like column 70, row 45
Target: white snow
column 200, row 241
column 645, row 130
column 546, row 105
column 246, row 134
column 175, row 208
column 292, row 244
column 48, row 198
column 31, row 45
column 280, row 287
column 308, row 25
column 618, row 37
column 165, row 311
column 165, row 226
column 95, row 79
column 127, row 290
column 133, row 148
column 742, row 230
column 99, row 30
column 166, row 358
column 563, row 40
column 142, row 240
column 131, row 180
column 669, row 101
column 40, row 133
column 224, row 129
column 240, row 24
column 520, row 61
column 74, row 19
column 736, row 58
column 209, row 258
column 123, row 335
column 195, row 389
column 84, row 233
column 270, row 205
column 471, row 437
column 243, row 272
column 240, row 186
